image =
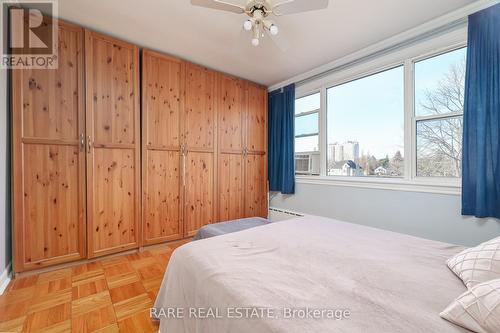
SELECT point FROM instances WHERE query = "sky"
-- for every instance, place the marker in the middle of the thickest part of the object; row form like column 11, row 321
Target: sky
column 371, row 110
column 429, row 72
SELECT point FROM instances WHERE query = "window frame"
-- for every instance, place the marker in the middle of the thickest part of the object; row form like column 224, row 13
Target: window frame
column 303, row 114
column 405, row 56
column 415, row 119
column 359, row 77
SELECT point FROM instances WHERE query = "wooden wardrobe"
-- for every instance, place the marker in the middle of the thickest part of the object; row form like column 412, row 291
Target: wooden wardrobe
column 97, row 172
column 202, row 160
column 76, row 155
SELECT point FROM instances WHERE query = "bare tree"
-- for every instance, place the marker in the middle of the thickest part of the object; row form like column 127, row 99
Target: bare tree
column 440, row 140
column 396, row 165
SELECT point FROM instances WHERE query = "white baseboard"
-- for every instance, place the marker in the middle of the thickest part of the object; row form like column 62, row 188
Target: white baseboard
column 5, row 278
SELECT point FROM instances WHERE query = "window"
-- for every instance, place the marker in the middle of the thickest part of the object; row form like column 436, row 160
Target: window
column 393, row 121
column 365, row 126
column 307, row 135
column 439, row 105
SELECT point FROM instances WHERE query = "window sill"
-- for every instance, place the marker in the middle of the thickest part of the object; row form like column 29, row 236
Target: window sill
column 449, row 187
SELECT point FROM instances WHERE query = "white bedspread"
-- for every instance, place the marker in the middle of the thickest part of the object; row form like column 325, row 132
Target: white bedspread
column 386, row 282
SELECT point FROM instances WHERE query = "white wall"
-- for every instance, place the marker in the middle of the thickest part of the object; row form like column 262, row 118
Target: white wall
column 5, row 244
column 426, row 215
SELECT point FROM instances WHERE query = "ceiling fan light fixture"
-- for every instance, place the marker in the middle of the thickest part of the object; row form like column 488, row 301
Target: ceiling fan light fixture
column 259, row 11
column 247, row 25
column 270, row 27
column 273, row 29
column 256, row 35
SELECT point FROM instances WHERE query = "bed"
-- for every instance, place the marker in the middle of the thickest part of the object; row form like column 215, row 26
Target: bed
column 222, row 228
column 271, row 278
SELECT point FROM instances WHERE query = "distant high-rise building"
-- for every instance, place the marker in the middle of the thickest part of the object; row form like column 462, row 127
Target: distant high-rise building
column 344, row 151
column 351, row 150
column 336, row 152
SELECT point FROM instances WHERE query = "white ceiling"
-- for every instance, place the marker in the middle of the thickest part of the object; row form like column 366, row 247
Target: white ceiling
column 215, row 39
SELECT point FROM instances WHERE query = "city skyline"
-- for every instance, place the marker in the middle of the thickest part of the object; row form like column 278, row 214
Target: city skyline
column 343, row 151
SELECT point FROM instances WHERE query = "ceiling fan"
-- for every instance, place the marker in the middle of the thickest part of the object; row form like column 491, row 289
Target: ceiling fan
column 259, row 11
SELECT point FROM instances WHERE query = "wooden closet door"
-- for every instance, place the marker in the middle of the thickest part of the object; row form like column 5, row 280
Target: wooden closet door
column 200, row 148
column 256, row 193
column 162, row 103
column 232, row 109
column 113, row 161
column 48, row 159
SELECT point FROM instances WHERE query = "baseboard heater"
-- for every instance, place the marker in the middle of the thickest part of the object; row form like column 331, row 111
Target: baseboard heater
column 284, row 211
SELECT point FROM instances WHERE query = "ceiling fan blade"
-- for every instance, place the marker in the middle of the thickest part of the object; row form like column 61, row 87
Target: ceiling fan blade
column 220, row 5
column 280, row 41
column 240, row 40
column 286, row 7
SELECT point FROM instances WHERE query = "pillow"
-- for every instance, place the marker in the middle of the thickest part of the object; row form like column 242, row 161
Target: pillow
column 478, row 309
column 478, row 264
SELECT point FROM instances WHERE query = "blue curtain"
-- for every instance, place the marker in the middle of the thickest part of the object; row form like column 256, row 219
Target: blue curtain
column 481, row 142
column 281, row 140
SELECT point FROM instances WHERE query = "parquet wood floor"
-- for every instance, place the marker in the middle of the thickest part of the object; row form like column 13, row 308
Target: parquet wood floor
column 108, row 295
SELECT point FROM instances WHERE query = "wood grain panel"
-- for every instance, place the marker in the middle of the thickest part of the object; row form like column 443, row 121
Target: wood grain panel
column 163, row 103
column 113, row 144
column 256, row 200
column 256, row 124
column 199, row 187
column 112, row 76
column 256, row 185
column 162, row 90
column 113, row 215
column 232, row 104
column 230, row 190
column 48, row 170
column 200, row 108
column 200, row 154
column 162, row 202
column 232, row 109
column 51, row 101
column 51, row 202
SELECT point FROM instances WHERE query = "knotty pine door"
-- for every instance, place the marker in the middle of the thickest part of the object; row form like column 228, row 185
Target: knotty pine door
column 256, row 189
column 242, row 154
column 113, row 145
column 162, row 111
column 199, row 148
column 48, row 170
column 232, row 107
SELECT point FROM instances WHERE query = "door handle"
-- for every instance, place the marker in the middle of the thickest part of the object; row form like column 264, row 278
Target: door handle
column 89, row 144
column 184, row 158
column 82, row 141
